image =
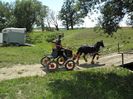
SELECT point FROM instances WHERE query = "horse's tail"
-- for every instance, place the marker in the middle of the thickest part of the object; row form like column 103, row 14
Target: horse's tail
column 79, row 51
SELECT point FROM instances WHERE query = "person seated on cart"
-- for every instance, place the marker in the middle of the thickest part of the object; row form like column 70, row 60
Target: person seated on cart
column 58, row 43
column 58, row 50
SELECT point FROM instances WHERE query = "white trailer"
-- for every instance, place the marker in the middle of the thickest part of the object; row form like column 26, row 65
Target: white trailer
column 13, row 36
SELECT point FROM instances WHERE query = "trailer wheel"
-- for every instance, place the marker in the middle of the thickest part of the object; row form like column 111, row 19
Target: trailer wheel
column 60, row 60
column 52, row 66
column 45, row 60
column 69, row 65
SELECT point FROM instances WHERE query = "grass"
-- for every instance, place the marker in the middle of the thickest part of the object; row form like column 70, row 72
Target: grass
column 102, row 83
column 123, row 36
column 73, row 39
column 12, row 55
column 22, row 55
column 93, row 83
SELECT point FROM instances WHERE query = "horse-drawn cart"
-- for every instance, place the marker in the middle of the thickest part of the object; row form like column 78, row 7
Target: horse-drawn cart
column 65, row 57
column 58, row 58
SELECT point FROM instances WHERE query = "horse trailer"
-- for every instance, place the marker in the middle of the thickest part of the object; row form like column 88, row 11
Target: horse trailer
column 13, row 36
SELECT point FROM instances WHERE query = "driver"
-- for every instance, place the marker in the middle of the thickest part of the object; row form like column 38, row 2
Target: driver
column 58, row 42
column 60, row 50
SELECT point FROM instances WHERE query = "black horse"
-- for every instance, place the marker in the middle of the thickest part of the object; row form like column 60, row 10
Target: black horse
column 92, row 50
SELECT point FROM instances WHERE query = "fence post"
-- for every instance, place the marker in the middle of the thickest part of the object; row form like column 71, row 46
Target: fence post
column 118, row 48
column 122, row 58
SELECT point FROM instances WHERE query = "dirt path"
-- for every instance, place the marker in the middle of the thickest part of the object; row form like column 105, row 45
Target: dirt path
column 21, row 71
column 32, row 70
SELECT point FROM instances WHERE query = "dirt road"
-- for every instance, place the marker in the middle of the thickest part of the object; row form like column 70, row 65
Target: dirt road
column 37, row 69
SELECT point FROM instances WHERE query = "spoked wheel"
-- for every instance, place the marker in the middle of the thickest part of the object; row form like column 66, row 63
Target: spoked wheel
column 69, row 65
column 45, row 60
column 60, row 60
column 52, row 66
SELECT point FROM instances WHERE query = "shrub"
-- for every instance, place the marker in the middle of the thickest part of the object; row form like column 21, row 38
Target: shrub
column 35, row 38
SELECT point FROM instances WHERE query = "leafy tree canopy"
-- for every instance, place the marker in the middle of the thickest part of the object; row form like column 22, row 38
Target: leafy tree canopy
column 112, row 12
column 22, row 14
column 6, row 15
column 70, row 14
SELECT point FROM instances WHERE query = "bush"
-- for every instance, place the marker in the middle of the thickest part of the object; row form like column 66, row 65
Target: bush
column 32, row 38
column 51, row 36
column 35, row 38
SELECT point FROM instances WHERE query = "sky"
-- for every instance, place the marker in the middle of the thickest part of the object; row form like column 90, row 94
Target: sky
column 56, row 5
column 53, row 4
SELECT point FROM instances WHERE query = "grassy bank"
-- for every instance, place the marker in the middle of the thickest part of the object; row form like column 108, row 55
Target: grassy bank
column 22, row 55
column 72, row 39
column 89, row 37
column 93, row 83
column 103, row 83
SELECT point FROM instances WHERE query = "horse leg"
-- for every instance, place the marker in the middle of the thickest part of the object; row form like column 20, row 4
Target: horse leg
column 78, row 57
column 92, row 62
column 97, row 56
column 85, row 57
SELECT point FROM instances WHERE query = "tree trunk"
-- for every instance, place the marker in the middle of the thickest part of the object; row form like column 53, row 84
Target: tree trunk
column 57, row 28
column 71, row 21
column 42, row 25
column 49, row 27
column 71, row 24
column 67, row 25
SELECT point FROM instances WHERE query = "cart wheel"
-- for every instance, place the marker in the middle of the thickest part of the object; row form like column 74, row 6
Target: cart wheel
column 60, row 60
column 69, row 65
column 45, row 60
column 52, row 66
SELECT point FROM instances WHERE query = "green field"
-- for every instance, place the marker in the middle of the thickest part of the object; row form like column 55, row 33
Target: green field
column 100, row 83
column 73, row 39
column 92, row 83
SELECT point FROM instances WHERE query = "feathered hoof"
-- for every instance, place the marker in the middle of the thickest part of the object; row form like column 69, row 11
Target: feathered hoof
column 86, row 60
column 97, row 57
column 92, row 62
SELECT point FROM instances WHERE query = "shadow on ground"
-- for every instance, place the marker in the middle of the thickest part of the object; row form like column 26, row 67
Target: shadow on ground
column 87, row 65
column 128, row 66
column 84, row 65
column 93, row 85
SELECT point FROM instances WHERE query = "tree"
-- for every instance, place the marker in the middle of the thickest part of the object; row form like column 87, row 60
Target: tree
column 70, row 14
column 63, row 15
column 130, row 19
column 87, row 6
column 54, row 19
column 41, row 15
column 129, row 9
column 7, row 18
column 26, row 13
column 51, row 19
column 48, row 21
column 112, row 12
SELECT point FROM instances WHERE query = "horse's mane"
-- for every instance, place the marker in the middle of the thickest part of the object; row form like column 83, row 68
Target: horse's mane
column 98, row 43
column 95, row 45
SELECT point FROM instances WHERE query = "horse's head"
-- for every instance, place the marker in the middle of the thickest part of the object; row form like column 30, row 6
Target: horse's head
column 100, row 43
